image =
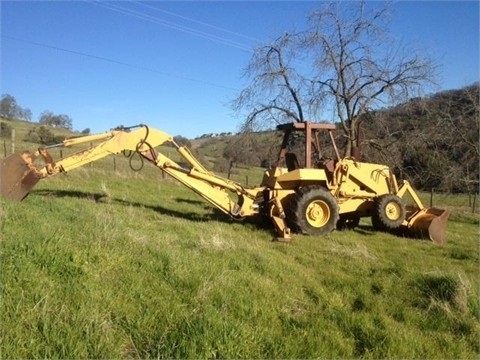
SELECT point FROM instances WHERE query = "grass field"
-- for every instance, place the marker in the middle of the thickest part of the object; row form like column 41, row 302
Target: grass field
column 115, row 264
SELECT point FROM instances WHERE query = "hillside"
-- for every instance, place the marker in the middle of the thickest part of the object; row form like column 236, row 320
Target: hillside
column 104, row 262
column 433, row 142
column 29, row 135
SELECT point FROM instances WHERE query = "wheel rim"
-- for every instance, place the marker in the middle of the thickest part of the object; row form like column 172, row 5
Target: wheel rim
column 317, row 213
column 393, row 211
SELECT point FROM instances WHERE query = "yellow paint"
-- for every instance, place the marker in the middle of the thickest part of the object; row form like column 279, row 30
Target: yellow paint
column 353, row 185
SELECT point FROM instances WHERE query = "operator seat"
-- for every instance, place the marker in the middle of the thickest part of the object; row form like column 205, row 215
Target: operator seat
column 329, row 166
column 291, row 161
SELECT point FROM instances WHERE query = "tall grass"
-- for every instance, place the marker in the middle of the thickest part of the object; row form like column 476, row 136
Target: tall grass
column 104, row 264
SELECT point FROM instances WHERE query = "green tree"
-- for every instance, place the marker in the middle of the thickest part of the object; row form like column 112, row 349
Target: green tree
column 5, row 130
column 9, row 109
column 50, row 119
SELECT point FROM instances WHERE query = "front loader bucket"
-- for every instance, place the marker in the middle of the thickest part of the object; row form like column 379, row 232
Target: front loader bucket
column 429, row 223
column 17, row 176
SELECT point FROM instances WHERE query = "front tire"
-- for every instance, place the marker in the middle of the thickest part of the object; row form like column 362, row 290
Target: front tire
column 389, row 213
column 314, row 211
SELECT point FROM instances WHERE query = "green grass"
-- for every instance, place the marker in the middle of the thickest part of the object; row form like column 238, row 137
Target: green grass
column 100, row 263
column 104, row 264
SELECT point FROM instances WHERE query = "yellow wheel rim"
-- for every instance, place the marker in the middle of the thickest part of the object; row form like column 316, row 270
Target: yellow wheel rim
column 393, row 211
column 317, row 213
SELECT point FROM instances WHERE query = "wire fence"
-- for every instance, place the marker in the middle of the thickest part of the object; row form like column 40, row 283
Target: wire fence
column 464, row 201
column 467, row 202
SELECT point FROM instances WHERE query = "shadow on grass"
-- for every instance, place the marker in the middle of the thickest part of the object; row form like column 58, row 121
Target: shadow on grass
column 369, row 230
column 215, row 215
column 190, row 201
column 71, row 193
column 364, row 230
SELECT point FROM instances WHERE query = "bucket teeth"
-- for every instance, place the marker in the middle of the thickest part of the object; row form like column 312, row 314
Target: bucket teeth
column 17, row 176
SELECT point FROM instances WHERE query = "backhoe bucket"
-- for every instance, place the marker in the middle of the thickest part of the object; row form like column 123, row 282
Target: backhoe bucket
column 429, row 223
column 17, row 176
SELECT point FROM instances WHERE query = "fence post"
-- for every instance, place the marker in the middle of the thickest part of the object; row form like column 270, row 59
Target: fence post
column 114, row 164
column 4, row 148
column 474, row 201
column 13, row 141
column 431, row 197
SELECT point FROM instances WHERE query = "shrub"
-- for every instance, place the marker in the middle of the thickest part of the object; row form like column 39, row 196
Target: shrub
column 5, row 130
column 32, row 136
column 43, row 136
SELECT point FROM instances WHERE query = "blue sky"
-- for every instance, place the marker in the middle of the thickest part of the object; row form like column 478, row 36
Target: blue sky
column 176, row 65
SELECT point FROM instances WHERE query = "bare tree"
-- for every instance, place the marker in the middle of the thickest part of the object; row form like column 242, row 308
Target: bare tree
column 349, row 64
column 276, row 93
column 357, row 68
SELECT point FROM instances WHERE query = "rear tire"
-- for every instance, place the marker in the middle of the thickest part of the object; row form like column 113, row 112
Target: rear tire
column 389, row 212
column 313, row 211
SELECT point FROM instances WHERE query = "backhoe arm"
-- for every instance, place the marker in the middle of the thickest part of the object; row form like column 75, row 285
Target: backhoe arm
column 143, row 140
column 213, row 188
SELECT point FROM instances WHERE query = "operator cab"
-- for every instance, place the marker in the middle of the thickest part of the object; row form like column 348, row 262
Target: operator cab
column 301, row 147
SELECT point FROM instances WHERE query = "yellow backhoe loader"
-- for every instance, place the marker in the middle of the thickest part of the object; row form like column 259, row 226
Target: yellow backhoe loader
column 313, row 198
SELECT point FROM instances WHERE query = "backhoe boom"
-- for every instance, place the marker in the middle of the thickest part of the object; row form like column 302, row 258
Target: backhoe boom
column 143, row 140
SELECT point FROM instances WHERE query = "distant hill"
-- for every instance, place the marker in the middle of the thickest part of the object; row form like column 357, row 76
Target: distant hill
column 431, row 141
column 29, row 135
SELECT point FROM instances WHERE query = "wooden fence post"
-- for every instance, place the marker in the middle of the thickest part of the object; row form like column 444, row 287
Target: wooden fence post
column 13, row 141
column 431, row 197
